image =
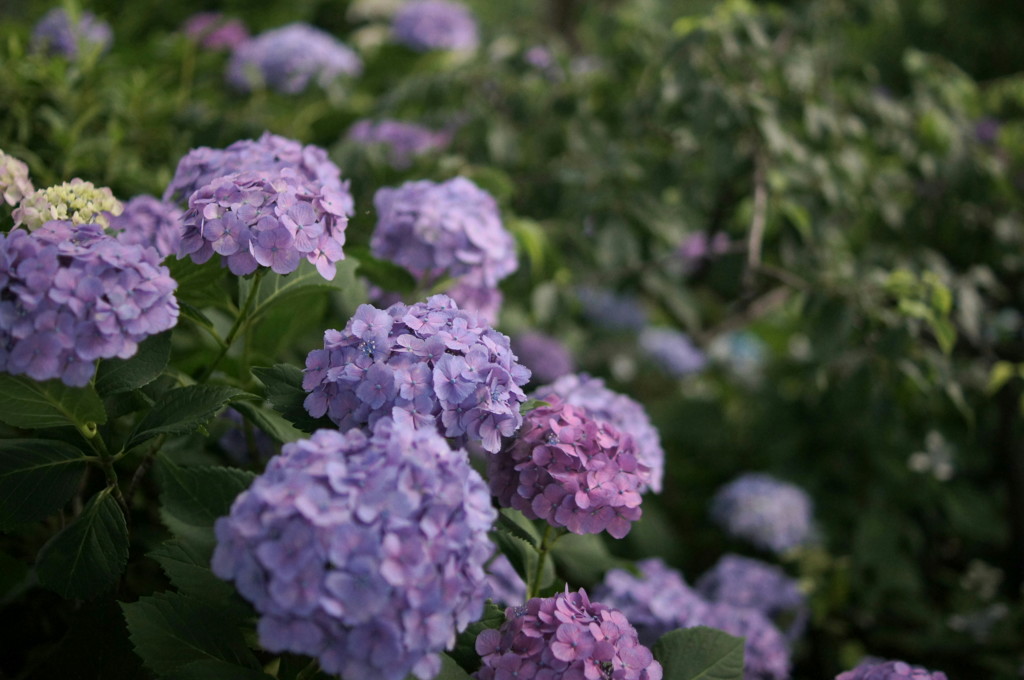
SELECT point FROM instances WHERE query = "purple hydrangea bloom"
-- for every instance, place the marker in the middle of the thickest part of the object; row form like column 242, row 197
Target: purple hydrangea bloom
column 746, row 582
column 57, row 33
column 769, row 513
column 890, row 670
column 404, row 141
column 148, row 221
column 571, row 470
column 504, row 584
column 612, row 310
column 70, row 294
column 214, row 31
column 424, row 25
column 544, row 355
column 619, row 410
column 429, row 364
column 565, row 636
column 288, row 58
column 698, row 246
column 986, row 130
column 363, row 550
column 672, row 351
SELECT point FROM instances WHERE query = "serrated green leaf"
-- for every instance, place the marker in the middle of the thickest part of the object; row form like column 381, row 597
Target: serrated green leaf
column 700, row 654
column 524, row 557
column 215, row 669
column 37, row 477
column 387, row 275
column 185, row 409
column 464, row 652
column 278, row 289
column 121, row 375
column 517, row 525
column 87, row 557
column 199, row 285
column 284, row 391
column 271, row 422
column 29, row 404
column 188, row 569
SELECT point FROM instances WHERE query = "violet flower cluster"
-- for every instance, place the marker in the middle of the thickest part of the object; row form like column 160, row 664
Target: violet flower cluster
column 698, row 247
column 70, row 294
column 769, row 513
column 148, row 221
column 288, row 58
column 404, row 141
column 890, row 670
column 504, row 584
column 60, row 34
column 544, row 355
column 571, row 470
column 364, row 550
column 215, row 31
column 565, row 636
column 611, row 310
column 429, row 365
column 15, row 183
column 624, row 413
column 424, row 25
column 672, row 350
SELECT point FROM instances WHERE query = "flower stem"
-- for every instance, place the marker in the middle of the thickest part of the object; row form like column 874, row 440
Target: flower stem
column 546, row 543
column 106, row 462
column 241, row 322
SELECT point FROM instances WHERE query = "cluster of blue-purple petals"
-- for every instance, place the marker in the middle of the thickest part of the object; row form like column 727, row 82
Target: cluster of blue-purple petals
column 148, row 221
column 363, row 550
column 890, row 670
column 571, row 470
column 70, row 294
column 565, row 637
column 288, row 58
column 215, row 31
column 404, row 141
column 424, row 25
column 57, row 33
column 430, row 365
column 746, row 582
column 672, row 350
column 544, row 355
column 624, row 413
column 611, row 310
column 769, row 513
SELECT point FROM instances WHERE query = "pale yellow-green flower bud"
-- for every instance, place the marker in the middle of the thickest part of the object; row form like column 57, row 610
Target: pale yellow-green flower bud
column 77, row 201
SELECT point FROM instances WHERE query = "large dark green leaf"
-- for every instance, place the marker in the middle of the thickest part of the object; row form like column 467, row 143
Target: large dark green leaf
column 387, row 275
column 32, row 405
column 37, row 477
column 584, row 559
column 284, row 391
column 700, row 654
column 87, row 557
column 188, row 568
column 199, row 284
column 271, row 422
column 185, row 409
column 279, row 289
column 122, row 375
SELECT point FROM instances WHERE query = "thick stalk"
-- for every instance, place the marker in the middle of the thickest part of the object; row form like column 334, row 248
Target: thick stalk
column 548, row 540
column 241, row 322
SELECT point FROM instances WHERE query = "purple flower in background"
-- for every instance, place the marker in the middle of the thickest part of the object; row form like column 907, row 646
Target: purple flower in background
column 428, row 364
column 890, row 670
column 565, row 636
column 765, row 651
column 57, row 33
column 215, row 31
column 698, row 247
column 544, row 355
column 986, row 130
column 746, row 582
column 571, row 470
column 769, row 513
column 245, row 443
column 14, row 180
column 148, row 221
column 504, row 585
column 672, row 350
column 611, row 310
column 424, row 25
column 364, row 549
column 286, row 59
column 624, row 413
column 404, row 141
column 70, row 294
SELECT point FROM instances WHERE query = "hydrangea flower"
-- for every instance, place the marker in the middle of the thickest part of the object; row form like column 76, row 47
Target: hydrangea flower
column 672, row 350
column 288, row 58
column 544, row 355
column 746, row 582
column 273, row 219
column 404, row 141
column 424, row 25
column 14, row 180
column 624, row 413
column 612, row 310
column 428, row 364
column 365, row 550
column 565, row 636
column 571, row 470
column 699, row 246
column 214, row 31
column 148, row 221
column 504, row 584
column 70, row 294
column 769, row 513
column 57, row 33
column 890, row 670
column 76, row 201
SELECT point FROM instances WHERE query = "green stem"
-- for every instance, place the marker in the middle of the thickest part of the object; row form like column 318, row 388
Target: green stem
column 106, row 462
column 241, row 322
column 548, row 540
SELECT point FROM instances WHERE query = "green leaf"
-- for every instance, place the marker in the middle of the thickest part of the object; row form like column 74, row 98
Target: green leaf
column 451, row 670
column 170, row 631
column 284, row 391
column 37, row 477
column 278, row 289
column 122, row 375
column 523, row 557
column 584, row 559
column 87, row 557
column 185, row 409
column 387, row 275
column 513, row 522
column 215, row 669
column 531, row 404
column 700, row 654
column 199, row 285
column 188, row 568
column 271, row 422
column 464, row 652
column 32, row 405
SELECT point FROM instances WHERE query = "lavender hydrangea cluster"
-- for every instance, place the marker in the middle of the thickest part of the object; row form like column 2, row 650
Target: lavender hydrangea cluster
column 565, row 636
column 59, row 33
column 288, row 58
column 148, row 221
column 612, row 310
column 77, row 201
column 890, row 670
column 404, row 141
column 215, row 31
column 504, row 584
column 424, row 25
column 769, row 513
column 364, row 550
column 14, row 179
column 430, row 365
column 70, row 294
column 672, row 350
column 571, row 470
column 699, row 246
column 544, row 355
column 624, row 413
